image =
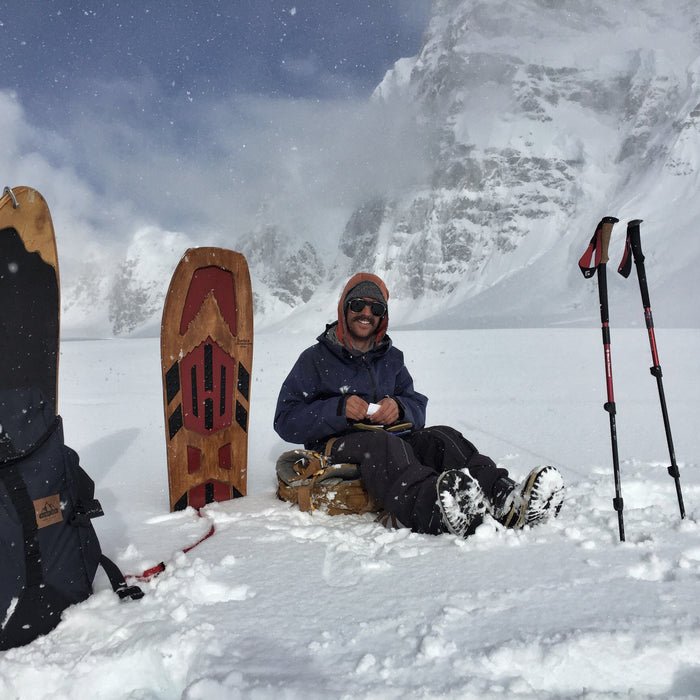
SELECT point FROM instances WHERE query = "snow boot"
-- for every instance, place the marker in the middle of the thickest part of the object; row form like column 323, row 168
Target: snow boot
column 462, row 502
column 533, row 502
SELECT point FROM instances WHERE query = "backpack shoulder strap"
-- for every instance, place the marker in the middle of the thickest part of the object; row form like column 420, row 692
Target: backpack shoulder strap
column 23, row 505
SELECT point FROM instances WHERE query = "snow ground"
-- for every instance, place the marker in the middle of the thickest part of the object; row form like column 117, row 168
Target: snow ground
column 282, row 604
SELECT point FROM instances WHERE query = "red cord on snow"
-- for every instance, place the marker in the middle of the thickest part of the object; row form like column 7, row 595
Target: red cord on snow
column 154, row 571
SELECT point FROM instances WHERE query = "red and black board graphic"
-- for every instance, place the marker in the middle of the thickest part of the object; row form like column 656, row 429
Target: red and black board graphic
column 29, row 294
column 206, row 359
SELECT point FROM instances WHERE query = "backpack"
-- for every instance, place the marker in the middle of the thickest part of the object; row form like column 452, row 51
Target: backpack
column 312, row 481
column 48, row 546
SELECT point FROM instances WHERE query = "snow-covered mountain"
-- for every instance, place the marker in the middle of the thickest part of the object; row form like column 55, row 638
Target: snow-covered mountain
column 550, row 116
column 522, row 125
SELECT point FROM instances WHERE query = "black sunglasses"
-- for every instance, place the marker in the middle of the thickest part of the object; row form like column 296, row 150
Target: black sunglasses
column 376, row 307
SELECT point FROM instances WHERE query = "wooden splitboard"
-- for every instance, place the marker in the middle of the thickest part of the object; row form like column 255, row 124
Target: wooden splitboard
column 206, row 359
column 29, row 294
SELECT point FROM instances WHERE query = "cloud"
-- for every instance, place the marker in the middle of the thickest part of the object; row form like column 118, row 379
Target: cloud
column 131, row 156
column 301, row 66
column 412, row 15
column 210, row 162
column 184, row 118
column 42, row 159
column 209, row 124
column 11, row 120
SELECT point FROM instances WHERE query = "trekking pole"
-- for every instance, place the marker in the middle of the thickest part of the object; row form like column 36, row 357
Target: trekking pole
column 599, row 246
column 633, row 249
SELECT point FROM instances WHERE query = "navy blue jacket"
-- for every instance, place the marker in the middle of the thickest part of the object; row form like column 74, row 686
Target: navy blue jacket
column 311, row 403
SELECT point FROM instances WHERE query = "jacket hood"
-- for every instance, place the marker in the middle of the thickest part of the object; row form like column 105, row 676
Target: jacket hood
column 341, row 328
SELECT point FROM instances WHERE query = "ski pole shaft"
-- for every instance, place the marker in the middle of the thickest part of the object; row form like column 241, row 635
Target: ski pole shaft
column 634, row 246
column 594, row 261
column 606, row 226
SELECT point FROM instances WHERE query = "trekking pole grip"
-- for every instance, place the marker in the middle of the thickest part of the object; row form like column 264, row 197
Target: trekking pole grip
column 606, row 227
column 635, row 238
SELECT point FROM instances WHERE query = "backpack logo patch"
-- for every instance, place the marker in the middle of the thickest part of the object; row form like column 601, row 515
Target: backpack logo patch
column 48, row 511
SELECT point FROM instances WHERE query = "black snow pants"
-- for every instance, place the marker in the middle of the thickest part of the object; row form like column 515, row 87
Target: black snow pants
column 401, row 471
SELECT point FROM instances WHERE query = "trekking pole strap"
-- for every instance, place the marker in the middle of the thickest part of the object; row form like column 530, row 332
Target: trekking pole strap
column 597, row 252
column 633, row 251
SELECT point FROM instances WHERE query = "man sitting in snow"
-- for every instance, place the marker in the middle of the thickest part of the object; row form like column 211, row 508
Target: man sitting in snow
column 432, row 479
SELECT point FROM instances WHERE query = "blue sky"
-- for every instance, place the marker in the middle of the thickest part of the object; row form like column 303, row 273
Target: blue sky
column 187, row 114
column 59, row 54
